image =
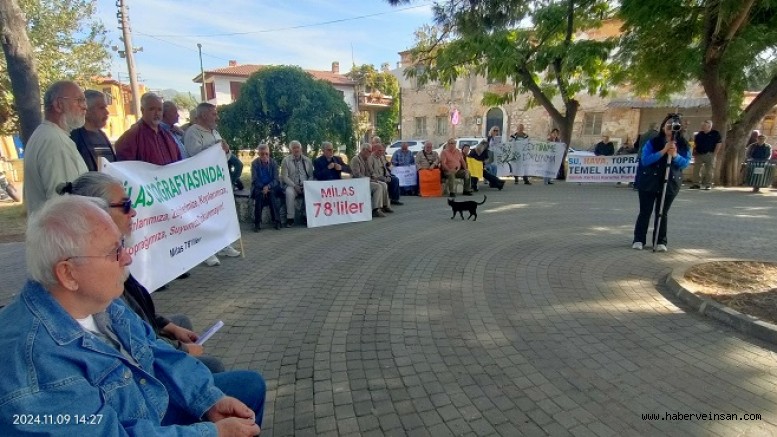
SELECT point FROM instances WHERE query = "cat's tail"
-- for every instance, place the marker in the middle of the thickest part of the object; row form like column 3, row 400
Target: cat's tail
column 484, row 200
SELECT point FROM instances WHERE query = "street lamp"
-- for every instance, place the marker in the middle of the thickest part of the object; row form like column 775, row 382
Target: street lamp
column 202, row 73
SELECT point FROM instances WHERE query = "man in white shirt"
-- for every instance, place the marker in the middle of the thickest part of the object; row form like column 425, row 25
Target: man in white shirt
column 51, row 157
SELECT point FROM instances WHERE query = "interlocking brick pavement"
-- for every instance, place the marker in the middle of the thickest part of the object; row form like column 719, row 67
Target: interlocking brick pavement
column 538, row 319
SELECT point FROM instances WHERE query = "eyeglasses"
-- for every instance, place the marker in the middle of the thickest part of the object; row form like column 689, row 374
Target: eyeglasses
column 125, row 205
column 117, row 253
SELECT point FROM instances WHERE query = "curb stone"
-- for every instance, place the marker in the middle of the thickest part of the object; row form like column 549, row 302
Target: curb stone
column 743, row 323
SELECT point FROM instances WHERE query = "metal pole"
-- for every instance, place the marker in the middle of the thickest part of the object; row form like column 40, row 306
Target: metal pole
column 123, row 16
column 660, row 212
column 202, row 74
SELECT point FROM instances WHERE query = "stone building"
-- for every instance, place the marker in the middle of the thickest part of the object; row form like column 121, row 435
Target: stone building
column 426, row 110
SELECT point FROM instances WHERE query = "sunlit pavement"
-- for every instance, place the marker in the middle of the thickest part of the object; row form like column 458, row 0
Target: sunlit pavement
column 537, row 319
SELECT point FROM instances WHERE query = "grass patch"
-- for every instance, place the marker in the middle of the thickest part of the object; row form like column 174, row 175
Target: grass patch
column 13, row 216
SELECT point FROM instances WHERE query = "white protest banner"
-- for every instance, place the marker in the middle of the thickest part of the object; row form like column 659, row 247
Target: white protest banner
column 526, row 157
column 337, row 201
column 407, row 175
column 185, row 213
column 587, row 168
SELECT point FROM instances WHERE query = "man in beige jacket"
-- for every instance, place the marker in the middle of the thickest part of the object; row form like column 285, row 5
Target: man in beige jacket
column 361, row 167
column 295, row 170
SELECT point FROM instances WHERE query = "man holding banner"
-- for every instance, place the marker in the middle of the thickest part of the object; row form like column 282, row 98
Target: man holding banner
column 200, row 136
column 404, row 169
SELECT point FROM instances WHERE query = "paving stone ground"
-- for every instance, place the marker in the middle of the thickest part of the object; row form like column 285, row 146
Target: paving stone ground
column 538, row 319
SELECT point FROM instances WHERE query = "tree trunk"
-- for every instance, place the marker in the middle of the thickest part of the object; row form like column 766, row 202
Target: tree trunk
column 21, row 67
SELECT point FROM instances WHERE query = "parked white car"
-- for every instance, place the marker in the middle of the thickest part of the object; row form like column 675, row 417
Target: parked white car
column 461, row 142
column 415, row 147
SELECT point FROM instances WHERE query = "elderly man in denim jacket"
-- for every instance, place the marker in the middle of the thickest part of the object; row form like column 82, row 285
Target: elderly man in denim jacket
column 77, row 361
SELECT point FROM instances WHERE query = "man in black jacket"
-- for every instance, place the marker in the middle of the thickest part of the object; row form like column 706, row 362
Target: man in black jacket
column 605, row 147
column 91, row 141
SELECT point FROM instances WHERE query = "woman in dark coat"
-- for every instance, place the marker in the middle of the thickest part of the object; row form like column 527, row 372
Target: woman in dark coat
column 667, row 146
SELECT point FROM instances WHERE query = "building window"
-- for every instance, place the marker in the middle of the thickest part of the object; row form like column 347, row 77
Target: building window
column 210, row 91
column 420, row 126
column 441, row 127
column 592, row 123
column 234, row 89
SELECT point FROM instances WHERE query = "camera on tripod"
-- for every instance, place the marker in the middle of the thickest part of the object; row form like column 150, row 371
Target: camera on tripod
column 675, row 122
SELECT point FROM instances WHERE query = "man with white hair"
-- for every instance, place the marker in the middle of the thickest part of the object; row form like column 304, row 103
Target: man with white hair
column 201, row 135
column 73, row 352
column 169, row 121
column 295, row 170
column 146, row 141
column 361, row 167
column 51, row 157
column 381, row 171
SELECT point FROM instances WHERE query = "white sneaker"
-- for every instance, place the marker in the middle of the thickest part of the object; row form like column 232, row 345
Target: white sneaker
column 229, row 251
column 637, row 245
column 661, row 248
column 212, row 261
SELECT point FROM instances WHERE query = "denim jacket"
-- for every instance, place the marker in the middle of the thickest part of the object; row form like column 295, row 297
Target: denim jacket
column 56, row 372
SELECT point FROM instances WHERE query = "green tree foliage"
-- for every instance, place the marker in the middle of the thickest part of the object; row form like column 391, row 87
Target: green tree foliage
column 370, row 79
column 280, row 104
column 726, row 45
column 548, row 60
column 185, row 101
column 69, row 43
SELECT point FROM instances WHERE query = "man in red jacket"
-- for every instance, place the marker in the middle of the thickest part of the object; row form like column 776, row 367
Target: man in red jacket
column 146, row 140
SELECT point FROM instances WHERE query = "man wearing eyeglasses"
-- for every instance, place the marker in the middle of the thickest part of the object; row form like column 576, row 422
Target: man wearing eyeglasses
column 329, row 167
column 80, row 361
column 51, row 157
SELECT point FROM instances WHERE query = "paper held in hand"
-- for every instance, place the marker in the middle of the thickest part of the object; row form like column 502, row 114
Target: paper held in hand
column 209, row 333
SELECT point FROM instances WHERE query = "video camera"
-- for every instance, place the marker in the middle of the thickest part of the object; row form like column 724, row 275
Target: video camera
column 675, row 122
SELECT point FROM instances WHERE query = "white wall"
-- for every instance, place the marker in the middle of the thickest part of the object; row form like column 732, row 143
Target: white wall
column 224, row 95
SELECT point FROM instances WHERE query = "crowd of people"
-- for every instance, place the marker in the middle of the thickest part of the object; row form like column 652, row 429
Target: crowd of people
column 90, row 330
column 83, row 329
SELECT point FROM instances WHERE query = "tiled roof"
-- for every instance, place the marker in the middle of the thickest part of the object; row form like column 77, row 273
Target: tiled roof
column 246, row 70
column 700, row 102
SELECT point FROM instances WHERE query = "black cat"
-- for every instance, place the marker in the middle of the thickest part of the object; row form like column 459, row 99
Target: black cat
column 468, row 205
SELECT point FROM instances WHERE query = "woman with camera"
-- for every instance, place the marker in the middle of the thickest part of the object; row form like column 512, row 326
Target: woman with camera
column 670, row 149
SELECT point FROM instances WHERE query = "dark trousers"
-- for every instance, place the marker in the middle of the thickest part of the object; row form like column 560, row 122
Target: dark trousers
column 393, row 188
column 263, row 200
column 493, row 181
column 648, row 201
column 235, row 167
